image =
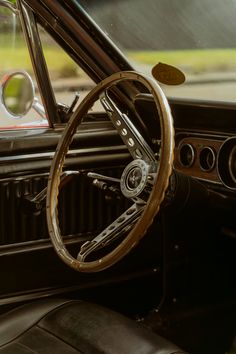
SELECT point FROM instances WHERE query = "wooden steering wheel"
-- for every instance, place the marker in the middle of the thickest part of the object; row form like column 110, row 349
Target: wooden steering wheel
column 145, row 172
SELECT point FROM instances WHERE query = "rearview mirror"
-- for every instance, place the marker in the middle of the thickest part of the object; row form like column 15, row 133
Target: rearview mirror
column 17, row 93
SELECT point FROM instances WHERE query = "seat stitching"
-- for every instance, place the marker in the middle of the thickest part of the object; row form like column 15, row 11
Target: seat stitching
column 25, row 346
column 38, row 320
column 62, row 340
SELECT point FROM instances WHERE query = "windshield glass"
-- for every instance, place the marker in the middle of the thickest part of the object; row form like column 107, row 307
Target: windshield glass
column 197, row 37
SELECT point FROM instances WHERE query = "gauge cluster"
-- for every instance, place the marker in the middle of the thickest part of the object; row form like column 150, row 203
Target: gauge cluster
column 208, row 158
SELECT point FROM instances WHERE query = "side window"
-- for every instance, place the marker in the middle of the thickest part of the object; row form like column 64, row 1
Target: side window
column 67, row 78
column 14, row 57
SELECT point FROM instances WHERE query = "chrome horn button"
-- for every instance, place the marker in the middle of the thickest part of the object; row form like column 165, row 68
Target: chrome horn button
column 134, row 178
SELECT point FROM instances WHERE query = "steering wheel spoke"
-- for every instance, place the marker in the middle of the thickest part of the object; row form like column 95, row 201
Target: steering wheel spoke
column 144, row 180
column 120, row 226
column 137, row 146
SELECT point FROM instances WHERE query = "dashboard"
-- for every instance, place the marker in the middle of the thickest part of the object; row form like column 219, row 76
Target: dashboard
column 210, row 158
column 205, row 138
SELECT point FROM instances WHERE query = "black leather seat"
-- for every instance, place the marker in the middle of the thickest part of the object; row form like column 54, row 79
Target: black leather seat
column 70, row 327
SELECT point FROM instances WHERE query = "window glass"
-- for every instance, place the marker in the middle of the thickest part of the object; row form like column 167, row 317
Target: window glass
column 14, row 57
column 196, row 36
column 67, row 78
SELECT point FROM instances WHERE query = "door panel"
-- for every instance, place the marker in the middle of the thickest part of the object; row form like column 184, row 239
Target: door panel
column 29, row 267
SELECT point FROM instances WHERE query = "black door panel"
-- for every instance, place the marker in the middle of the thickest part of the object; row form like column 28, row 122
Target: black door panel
column 33, row 268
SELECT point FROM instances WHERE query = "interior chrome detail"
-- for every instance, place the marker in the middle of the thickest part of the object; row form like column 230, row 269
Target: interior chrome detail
column 131, row 137
column 226, row 163
column 232, row 164
column 207, row 158
column 134, row 178
column 144, row 173
column 102, row 177
column 186, row 155
column 114, row 231
column 197, row 156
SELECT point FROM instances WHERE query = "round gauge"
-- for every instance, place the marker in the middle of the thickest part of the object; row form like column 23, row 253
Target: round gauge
column 227, row 163
column 232, row 164
column 186, row 155
column 207, row 159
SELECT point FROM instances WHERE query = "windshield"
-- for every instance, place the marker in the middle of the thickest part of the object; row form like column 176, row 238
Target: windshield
column 197, row 37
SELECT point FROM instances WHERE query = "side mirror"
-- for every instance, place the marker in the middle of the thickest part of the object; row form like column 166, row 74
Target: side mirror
column 17, row 93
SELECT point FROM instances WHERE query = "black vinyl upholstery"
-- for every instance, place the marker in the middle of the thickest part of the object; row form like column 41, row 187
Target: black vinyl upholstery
column 70, row 326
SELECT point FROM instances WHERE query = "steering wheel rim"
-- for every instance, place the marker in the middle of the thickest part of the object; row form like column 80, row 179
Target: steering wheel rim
column 158, row 190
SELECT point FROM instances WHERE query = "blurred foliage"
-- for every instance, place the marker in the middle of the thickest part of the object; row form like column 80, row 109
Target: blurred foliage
column 14, row 56
column 190, row 61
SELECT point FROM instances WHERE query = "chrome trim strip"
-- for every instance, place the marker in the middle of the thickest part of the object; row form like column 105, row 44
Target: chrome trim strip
column 204, row 159
column 183, row 155
column 9, row 5
column 71, row 153
column 31, row 246
column 37, row 295
column 38, row 62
